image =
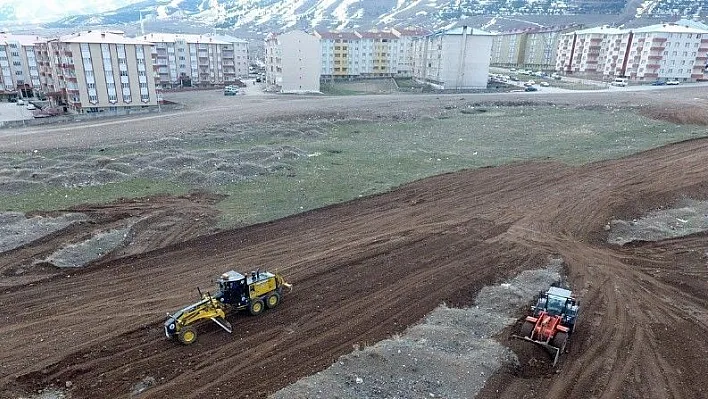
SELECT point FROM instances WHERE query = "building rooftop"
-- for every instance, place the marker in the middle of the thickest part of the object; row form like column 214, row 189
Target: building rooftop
column 114, row 37
column 669, row 28
column 603, row 30
column 337, row 35
column 376, row 35
column 173, row 37
column 461, row 30
column 415, row 32
column 23, row 40
column 657, row 28
column 538, row 29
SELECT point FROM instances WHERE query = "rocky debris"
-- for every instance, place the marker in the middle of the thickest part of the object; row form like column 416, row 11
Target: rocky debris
column 687, row 217
column 81, row 253
column 16, row 229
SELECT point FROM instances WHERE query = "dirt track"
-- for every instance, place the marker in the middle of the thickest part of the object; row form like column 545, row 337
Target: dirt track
column 367, row 269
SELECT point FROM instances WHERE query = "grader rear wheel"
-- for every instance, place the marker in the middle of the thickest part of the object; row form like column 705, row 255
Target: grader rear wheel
column 273, row 300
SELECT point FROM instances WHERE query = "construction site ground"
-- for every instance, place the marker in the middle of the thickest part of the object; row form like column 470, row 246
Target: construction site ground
column 367, row 270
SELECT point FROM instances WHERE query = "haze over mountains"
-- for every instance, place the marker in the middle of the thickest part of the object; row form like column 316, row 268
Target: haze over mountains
column 258, row 16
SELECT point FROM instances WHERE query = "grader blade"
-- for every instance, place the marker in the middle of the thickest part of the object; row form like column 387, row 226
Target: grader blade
column 223, row 324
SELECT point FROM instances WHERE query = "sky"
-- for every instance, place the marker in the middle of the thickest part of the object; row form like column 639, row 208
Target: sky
column 30, row 11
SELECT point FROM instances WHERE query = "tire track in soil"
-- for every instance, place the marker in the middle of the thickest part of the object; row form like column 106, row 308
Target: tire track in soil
column 367, row 269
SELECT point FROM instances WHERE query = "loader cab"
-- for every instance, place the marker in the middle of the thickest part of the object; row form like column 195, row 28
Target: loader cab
column 558, row 302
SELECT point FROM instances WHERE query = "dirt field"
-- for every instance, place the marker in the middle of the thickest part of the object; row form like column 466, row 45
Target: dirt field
column 368, row 269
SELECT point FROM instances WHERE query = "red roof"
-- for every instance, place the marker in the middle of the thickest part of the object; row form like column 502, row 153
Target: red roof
column 376, row 35
column 337, row 35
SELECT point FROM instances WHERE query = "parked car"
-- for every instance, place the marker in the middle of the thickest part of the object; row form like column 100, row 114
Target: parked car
column 544, row 84
column 230, row 90
column 658, row 83
column 672, row 82
column 20, row 102
column 531, row 88
column 556, row 76
column 530, row 83
column 31, row 107
column 619, row 82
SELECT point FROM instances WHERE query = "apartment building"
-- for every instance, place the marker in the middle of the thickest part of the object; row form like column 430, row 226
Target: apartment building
column 340, row 54
column 530, row 48
column 197, row 60
column 406, row 48
column 97, row 71
column 662, row 51
column 19, row 70
column 293, row 62
column 456, row 59
column 585, row 51
column 368, row 54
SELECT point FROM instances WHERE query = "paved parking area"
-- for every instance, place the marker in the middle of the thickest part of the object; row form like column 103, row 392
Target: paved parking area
column 14, row 112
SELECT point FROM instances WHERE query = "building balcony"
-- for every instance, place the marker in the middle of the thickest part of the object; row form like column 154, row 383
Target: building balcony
column 653, row 66
column 657, row 48
column 660, row 39
column 656, row 57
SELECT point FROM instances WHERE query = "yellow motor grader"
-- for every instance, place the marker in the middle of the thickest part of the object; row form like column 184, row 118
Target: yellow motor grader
column 254, row 292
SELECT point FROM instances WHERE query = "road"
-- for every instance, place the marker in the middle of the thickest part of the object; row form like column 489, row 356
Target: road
column 208, row 109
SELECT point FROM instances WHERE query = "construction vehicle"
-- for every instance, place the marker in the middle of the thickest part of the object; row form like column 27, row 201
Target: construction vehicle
column 254, row 292
column 552, row 322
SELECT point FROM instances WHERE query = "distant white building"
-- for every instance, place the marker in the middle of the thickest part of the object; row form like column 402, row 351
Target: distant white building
column 293, row 62
column 456, row 59
column 18, row 62
column 197, row 60
column 662, row 51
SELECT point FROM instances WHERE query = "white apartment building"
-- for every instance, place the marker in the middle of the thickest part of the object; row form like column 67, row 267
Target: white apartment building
column 663, row 51
column 406, row 49
column 456, row 59
column 97, row 71
column 19, row 71
column 197, row 60
column 293, row 62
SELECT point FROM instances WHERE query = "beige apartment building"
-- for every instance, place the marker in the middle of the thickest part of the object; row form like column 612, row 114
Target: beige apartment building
column 293, row 62
column 19, row 70
column 197, row 60
column 528, row 48
column 97, row 71
column 456, row 59
column 662, row 51
column 368, row 54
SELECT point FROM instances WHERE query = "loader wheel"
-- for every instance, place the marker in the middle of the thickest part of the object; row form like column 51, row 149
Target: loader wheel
column 560, row 340
column 273, row 300
column 187, row 335
column 527, row 329
column 256, row 307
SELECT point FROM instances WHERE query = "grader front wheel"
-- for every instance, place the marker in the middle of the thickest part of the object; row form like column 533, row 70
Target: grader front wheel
column 187, row 335
column 256, row 307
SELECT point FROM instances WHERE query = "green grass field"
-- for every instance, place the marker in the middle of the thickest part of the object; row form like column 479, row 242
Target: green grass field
column 351, row 159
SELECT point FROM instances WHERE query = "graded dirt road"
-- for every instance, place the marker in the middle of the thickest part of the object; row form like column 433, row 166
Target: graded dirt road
column 367, row 269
